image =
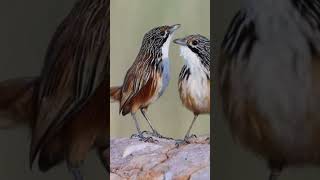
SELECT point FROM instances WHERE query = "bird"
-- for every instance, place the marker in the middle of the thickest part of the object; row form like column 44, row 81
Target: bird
column 66, row 107
column 194, row 77
column 268, row 80
column 147, row 78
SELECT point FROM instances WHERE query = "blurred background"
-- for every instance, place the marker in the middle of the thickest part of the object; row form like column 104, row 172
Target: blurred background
column 26, row 29
column 230, row 160
column 130, row 20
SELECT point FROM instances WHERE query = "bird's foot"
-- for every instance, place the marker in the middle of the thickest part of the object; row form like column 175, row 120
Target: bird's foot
column 147, row 133
column 156, row 134
column 191, row 136
column 143, row 138
column 180, row 142
column 185, row 141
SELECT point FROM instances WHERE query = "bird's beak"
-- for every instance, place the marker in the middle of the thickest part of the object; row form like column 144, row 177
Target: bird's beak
column 173, row 28
column 181, row 42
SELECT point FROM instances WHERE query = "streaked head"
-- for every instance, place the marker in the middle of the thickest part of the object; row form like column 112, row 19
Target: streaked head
column 194, row 45
column 157, row 37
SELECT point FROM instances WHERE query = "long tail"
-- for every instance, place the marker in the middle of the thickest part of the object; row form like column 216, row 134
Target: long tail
column 115, row 93
column 16, row 102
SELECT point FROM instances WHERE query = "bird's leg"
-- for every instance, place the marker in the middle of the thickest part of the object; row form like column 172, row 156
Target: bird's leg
column 140, row 134
column 75, row 172
column 154, row 132
column 136, row 123
column 145, row 116
column 187, row 136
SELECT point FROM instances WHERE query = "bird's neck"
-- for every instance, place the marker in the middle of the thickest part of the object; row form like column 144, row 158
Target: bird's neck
column 165, row 48
column 192, row 60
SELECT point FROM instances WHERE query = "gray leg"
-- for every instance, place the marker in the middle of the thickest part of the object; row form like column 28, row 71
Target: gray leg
column 140, row 134
column 136, row 122
column 188, row 132
column 187, row 136
column 154, row 132
column 143, row 111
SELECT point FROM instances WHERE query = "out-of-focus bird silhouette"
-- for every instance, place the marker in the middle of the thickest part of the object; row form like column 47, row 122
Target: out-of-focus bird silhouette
column 269, row 80
column 147, row 78
column 66, row 106
column 194, row 78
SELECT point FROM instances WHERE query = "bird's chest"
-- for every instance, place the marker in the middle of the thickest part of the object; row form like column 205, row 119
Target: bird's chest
column 164, row 79
column 195, row 92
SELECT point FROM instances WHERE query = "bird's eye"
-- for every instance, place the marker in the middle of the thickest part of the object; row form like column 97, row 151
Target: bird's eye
column 194, row 42
column 162, row 33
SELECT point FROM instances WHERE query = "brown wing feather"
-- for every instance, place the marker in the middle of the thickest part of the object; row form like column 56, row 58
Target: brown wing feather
column 136, row 79
column 76, row 64
column 115, row 93
column 143, row 96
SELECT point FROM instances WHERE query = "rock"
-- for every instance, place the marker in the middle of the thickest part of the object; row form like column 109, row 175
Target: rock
column 132, row 159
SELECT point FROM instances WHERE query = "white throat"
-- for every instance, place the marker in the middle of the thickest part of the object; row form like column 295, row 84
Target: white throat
column 191, row 59
column 165, row 47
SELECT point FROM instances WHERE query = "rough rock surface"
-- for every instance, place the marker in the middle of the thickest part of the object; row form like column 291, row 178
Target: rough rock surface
column 132, row 159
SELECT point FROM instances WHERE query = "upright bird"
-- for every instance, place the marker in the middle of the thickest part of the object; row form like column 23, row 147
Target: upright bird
column 194, row 78
column 148, row 77
column 269, row 80
column 66, row 106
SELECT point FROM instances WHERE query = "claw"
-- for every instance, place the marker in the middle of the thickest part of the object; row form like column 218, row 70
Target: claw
column 148, row 139
column 156, row 134
column 147, row 132
column 145, row 139
column 180, row 142
column 191, row 136
column 134, row 136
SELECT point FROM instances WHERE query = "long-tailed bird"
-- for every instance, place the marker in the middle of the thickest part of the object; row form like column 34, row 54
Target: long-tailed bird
column 269, row 78
column 66, row 106
column 147, row 78
column 194, row 78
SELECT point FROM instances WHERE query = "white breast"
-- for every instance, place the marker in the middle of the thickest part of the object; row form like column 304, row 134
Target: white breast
column 197, row 84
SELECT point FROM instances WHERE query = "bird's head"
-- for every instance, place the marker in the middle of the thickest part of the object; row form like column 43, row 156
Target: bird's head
column 158, row 39
column 194, row 48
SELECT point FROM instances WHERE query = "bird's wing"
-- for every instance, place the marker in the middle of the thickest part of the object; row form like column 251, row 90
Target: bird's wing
column 76, row 64
column 206, row 60
column 137, row 77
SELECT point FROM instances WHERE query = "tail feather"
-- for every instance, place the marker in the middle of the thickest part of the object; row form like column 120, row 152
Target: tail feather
column 115, row 93
column 16, row 102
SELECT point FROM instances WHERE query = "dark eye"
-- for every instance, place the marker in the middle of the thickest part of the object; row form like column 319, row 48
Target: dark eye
column 162, row 33
column 194, row 42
